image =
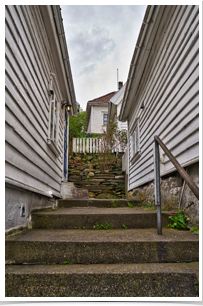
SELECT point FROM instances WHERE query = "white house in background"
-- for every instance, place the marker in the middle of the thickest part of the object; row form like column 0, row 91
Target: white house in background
column 162, row 92
column 114, row 107
column 97, row 114
column 38, row 83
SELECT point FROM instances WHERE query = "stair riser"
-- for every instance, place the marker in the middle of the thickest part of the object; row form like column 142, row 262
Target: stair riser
column 100, row 252
column 101, row 285
column 96, row 203
column 88, row 221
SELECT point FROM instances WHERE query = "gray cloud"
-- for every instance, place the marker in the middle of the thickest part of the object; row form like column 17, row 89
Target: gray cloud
column 91, row 48
column 100, row 40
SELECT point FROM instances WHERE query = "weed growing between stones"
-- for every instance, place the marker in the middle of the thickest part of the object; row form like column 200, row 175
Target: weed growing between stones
column 124, row 226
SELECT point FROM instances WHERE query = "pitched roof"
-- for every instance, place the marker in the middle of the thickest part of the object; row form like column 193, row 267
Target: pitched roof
column 104, row 98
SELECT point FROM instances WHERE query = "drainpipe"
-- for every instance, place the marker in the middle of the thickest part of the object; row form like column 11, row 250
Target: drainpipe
column 140, row 45
column 64, row 51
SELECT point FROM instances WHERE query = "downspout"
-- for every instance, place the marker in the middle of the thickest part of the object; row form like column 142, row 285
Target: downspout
column 64, row 51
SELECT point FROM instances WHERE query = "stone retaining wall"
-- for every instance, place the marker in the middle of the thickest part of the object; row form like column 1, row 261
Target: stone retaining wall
column 171, row 192
column 85, row 171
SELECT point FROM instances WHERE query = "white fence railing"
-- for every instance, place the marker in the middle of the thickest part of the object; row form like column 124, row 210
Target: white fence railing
column 88, row 145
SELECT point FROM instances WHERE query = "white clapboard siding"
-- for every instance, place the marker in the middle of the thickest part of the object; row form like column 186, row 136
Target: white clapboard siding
column 171, row 99
column 12, row 171
column 27, row 47
column 22, row 162
column 25, row 66
column 28, row 63
column 22, row 146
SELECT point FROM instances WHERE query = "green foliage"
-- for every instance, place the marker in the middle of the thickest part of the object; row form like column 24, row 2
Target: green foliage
column 194, row 230
column 163, row 209
column 66, row 262
column 114, row 204
column 136, row 208
column 179, row 221
column 124, row 226
column 83, row 227
column 146, row 209
column 75, row 227
column 130, row 205
column 148, row 205
column 77, row 125
column 87, row 176
column 98, row 227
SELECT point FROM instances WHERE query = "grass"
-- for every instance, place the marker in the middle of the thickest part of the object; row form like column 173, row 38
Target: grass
column 114, row 204
column 98, row 227
column 130, row 205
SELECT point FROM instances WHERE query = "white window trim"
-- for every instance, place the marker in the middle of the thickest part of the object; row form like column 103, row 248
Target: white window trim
column 135, row 142
column 53, row 143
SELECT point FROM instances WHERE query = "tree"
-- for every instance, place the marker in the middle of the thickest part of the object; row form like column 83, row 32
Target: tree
column 77, row 126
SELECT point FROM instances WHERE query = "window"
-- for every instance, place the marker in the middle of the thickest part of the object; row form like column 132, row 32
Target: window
column 134, row 142
column 53, row 118
column 105, row 119
column 53, row 129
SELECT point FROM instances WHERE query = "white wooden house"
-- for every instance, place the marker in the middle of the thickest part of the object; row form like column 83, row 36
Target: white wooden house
column 114, row 107
column 162, row 92
column 97, row 114
column 38, row 83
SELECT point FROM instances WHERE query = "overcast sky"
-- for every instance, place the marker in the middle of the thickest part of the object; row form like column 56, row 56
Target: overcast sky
column 100, row 39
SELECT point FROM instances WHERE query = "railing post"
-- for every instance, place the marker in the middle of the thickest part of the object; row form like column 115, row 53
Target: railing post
column 158, row 187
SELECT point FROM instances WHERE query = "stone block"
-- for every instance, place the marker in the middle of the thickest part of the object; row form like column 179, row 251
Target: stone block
column 105, row 196
column 75, row 172
column 74, row 178
column 91, row 194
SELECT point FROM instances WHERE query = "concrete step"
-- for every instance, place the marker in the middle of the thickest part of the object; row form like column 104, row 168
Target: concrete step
column 118, row 280
column 97, row 203
column 102, row 246
column 70, row 218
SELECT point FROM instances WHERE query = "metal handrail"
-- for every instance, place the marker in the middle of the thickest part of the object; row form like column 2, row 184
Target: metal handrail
column 179, row 168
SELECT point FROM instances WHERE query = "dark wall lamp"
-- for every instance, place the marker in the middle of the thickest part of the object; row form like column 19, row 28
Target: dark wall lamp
column 67, row 106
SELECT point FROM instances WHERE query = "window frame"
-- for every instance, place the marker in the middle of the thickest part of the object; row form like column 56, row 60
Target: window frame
column 106, row 119
column 135, row 142
column 53, row 124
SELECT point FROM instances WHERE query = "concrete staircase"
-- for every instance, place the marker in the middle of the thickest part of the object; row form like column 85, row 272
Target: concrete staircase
column 57, row 259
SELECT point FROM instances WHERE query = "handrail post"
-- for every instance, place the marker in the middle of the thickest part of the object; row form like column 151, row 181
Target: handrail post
column 158, row 187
